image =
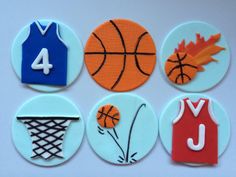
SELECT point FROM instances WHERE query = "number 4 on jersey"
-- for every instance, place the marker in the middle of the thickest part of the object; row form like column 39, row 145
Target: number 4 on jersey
column 42, row 62
column 44, row 56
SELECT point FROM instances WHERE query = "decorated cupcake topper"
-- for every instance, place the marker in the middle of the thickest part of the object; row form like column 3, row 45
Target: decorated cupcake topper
column 120, row 55
column 195, row 133
column 125, row 156
column 44, row 55
column 195, row 130
column 47, row 130
column 122, row 133
column 188, row 59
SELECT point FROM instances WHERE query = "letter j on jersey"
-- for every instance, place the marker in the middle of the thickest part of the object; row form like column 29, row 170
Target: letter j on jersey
column 194, row 129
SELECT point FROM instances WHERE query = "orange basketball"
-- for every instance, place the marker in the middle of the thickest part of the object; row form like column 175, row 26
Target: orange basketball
column 120, row 55
column 108, row 116
column 180, row 68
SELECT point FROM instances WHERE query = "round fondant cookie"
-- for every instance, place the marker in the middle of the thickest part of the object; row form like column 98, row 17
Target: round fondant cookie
column 120, row 55
column 47, row 130
column 194, row 129
column 195, row 56
column 47, row 55
column 131, row 138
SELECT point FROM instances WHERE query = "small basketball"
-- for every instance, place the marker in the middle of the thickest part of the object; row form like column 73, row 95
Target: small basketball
column 180, row 68
column 120, row 55
column 108, row 116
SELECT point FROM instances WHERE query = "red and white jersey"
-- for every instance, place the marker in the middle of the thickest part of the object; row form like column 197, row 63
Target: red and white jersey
column 195, row 133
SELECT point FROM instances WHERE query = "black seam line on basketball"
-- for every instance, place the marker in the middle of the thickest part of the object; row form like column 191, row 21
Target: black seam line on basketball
column 182, row 65
column 122, row 151
column 130, row 131
column 174, row 61
column 47, row 118
column 116, row 114
column 176, row 80
column 101, row 114
column 124, row 47
column 136, row 57
column 106, row 115
column 105, row 55
column 114, row 130
column 119, row 53
column 112, row 120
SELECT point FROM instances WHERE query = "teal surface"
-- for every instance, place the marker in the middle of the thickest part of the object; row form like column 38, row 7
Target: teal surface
column 171, row 111
column 74, row 59
column 214, row 71
column 143, row 136
column 48, row 105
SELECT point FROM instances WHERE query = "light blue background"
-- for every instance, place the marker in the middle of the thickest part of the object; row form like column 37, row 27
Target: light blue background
column 159, row 17
column 144, row 133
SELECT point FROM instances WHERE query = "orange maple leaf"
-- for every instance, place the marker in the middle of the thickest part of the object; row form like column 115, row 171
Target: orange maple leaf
column 202, row 50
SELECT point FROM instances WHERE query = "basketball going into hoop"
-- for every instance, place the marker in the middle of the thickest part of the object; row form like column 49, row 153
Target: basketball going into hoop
column 120, row 55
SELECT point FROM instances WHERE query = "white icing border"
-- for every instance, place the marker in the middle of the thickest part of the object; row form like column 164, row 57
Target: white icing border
column 181, row 112
column 210, row 110
column 58, row 34
column 43, row 31
column 196, row 110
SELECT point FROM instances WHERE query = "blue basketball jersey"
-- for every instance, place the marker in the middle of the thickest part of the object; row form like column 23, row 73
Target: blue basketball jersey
column 44, row 56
